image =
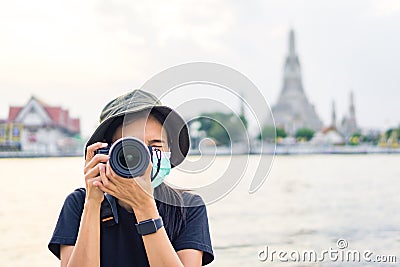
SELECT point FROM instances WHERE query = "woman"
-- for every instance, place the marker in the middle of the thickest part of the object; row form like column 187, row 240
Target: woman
column 171, row 226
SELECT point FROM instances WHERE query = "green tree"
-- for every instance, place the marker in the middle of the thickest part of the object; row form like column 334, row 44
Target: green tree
column 224, row 128
column 304, row 134
column 280, row 132
column 244, row 120
column 355, row 139
column 372, row 137
column 389, row 133
column 269, row 133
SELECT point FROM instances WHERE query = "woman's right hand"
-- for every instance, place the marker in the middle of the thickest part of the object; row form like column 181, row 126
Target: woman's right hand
column 93, row 165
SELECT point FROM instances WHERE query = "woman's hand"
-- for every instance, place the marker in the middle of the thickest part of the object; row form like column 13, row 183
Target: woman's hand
column 136, row 192
column 93, row 165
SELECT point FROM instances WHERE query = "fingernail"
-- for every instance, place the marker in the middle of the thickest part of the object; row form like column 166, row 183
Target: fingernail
column 104, row 144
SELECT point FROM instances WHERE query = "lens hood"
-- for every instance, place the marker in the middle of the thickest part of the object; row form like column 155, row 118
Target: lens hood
column 129, row 157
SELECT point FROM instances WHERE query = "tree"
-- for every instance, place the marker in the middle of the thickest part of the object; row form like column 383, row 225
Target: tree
column 269, row 133
column 305, row 134
column 280, row 132
column 224, row 128
column 390, row 132
column 355, row 139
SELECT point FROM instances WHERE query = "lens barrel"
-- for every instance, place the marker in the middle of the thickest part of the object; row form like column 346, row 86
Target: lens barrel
column 129, row 157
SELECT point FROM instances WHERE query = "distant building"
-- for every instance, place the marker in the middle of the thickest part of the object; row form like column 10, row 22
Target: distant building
column 329, row 135
column 293, row 110
column 40, row 128
column 349, row 123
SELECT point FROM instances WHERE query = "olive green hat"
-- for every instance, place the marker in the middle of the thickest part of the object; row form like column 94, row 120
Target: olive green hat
column 139, row 100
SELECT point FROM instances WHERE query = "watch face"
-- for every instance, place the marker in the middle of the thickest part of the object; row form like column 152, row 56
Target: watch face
column 147, row 227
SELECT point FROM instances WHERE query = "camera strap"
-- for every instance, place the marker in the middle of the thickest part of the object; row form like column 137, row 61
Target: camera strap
column 108, row 211
column 158, row 155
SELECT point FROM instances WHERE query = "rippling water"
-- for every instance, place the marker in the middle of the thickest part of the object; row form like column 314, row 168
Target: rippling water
column 307, row 202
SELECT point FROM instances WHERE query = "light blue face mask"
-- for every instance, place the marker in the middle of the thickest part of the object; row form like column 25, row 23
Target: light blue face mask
column 159, row 174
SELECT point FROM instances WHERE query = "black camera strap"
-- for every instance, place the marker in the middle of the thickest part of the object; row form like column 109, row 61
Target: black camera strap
column 158, row 155
column 108, row 211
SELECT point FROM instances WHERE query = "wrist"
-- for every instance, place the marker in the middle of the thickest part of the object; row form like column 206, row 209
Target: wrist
column 92, row 204
column 149, row 226
column 147, row 211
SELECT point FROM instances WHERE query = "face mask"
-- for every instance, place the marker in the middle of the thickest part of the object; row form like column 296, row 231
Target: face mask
column 165, row 167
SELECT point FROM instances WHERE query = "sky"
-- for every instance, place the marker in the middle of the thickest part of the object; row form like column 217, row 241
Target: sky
column 81, row 54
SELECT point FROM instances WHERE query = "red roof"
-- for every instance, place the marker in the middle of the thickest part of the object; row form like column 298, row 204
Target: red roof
column 76, row 125
column 58, row 116
column 54, row 113
column 13, row 113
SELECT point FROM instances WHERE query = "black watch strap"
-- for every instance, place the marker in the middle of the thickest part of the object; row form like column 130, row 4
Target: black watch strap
column 149, row 226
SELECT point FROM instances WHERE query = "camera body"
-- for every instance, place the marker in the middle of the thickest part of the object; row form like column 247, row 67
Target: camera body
column 129, row 156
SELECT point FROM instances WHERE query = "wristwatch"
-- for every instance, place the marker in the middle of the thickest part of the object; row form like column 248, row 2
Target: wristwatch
column 149, row 226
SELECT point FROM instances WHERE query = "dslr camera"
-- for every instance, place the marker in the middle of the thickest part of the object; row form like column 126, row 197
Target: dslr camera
column 129, row 156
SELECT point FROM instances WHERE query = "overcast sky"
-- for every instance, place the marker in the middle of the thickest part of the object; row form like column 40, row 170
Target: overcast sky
column 81, row 54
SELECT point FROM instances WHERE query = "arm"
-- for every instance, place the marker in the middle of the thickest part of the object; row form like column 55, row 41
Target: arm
column 190, row 257
column 159, row 249
column 137, row 194
column 86, row 251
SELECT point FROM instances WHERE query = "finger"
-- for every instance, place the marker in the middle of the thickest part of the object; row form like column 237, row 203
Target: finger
column 109, row 171
column 92, row 173
column 100, row 186
column 93, row 183
column 90, row 150
column 112, row 177
column 104, row 179
column 148, row 172
column 95, row 180
column 98, row 158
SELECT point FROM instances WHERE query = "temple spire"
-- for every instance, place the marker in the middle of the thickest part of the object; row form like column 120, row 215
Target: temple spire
column 352, row 109
column 292, row 50
column 333, row 122
column 293, row 110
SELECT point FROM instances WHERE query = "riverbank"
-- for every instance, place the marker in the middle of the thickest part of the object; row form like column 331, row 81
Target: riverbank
column 297, row 149
column 29, row 154
column 269, row 149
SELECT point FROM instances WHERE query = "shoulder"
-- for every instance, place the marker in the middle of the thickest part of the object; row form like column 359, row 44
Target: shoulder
column 77, row 195
column 195, row 232
column 192, row 200
column 194, row 208
column 75, row 199
column 67, row 227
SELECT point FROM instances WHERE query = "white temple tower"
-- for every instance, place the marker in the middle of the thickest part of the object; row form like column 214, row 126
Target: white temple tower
column 293, row 110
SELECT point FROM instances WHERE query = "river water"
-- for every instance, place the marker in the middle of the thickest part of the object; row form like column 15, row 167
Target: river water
column 308, row 202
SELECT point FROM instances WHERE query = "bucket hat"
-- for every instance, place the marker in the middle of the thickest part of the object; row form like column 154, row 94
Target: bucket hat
column 139, row 100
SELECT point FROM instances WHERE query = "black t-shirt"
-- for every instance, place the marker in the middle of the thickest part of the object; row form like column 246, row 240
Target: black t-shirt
column 120, row 244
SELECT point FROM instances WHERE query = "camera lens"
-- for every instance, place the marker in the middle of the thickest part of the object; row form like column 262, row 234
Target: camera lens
column 129, row 157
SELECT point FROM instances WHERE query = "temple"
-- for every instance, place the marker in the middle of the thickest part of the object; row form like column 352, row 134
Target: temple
column 349, row 123
column 39, row 128
column 293, row 110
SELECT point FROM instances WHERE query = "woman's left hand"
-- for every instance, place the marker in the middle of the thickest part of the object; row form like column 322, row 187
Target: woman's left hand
column 136, row 192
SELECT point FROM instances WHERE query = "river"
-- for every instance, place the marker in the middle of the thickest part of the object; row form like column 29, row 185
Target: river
column 308, row 202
